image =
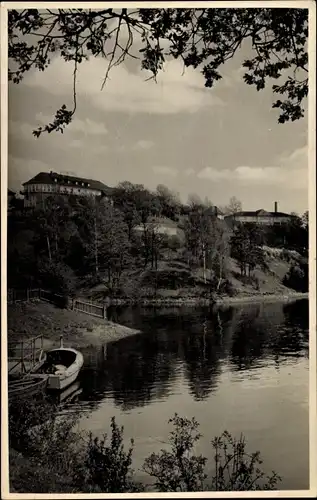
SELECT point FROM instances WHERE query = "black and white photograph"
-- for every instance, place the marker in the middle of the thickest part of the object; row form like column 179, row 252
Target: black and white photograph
column 158, row 248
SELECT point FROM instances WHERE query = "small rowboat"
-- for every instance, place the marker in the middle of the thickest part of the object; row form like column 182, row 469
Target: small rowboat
column 61, row 366
column 24, row 388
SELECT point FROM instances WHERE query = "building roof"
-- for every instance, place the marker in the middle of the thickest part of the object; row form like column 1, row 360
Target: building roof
column 164, row 221
column 49, row 178
column 259, row 213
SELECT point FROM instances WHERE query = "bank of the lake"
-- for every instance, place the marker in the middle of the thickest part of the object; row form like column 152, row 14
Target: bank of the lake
column 30, row 319
column 198, row 301
column 266, row 297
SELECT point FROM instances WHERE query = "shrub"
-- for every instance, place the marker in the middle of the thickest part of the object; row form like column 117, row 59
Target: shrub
column 297, row 277
column 58, row 278
column 180, row 470
column 227, row 288
column 50, row 449
column 237, row 470
column 54, row 457
column 109, row 465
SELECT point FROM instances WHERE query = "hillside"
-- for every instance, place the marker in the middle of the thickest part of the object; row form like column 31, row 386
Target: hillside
column 175, row 279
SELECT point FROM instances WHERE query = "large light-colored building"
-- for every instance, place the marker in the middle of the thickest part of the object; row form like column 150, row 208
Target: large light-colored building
column 45, row 184
column 260, row 217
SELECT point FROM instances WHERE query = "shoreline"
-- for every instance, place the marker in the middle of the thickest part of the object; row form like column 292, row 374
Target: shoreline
column 199, row 301
column 87, row 331
column 79, row 329
column 262, row 298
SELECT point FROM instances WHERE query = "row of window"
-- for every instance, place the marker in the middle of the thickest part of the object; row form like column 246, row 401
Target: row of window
column 48, row 188
column 77, row 183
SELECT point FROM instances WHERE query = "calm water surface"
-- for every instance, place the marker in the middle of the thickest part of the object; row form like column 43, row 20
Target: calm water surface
column 244, row 369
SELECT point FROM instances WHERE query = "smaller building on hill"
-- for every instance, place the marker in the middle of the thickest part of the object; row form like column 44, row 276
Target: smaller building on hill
column 159, row 225
column 260, row 217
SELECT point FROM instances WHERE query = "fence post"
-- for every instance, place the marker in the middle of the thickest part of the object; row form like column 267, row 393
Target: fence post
column 104, row 312
column 27, row 295
column 73, row 304
column 22, row 356
column 40, row 294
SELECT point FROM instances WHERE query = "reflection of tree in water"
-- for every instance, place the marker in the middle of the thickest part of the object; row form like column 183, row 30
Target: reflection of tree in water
column 249, row 338
column 296, row 314
column 268, row 330
column 136, row 370
column 294, row 334
column 142, row 368
column 204, row 344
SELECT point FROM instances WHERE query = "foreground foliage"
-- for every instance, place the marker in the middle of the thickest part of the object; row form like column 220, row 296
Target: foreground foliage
column 204, row 39
column 48, row 453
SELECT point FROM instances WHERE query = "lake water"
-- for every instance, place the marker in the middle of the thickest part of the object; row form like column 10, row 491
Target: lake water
column 243, row 369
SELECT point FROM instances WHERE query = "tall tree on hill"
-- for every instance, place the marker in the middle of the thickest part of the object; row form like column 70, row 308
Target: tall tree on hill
column 202, row 38
column 123, row 197
column 219, row 250
column 234, row 206
column 247, row 247
column 169, row 202
column 136, row 203
column 206, row 240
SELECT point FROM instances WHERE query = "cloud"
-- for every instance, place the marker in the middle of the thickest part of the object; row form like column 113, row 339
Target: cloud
column 86, row 126
column 76, row 144
column 29, row 167
column 189, row 171
column 290, row 172
column 125, row 91
column 144, row 144
column 170, row 171
column 21, row 129
column 213, row 174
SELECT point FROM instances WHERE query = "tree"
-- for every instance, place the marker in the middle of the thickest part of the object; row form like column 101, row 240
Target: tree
column 206, row 240
column 202, row 38
column 169, row 201
column 246, row 247
column 233, row 207
column 113, row 244
column 219, row 251
column 305, row 220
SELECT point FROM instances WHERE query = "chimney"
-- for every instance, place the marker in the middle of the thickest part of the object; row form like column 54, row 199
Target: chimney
column 275, row 206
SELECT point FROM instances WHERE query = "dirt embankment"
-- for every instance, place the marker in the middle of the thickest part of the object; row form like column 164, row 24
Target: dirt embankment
column 78, row 329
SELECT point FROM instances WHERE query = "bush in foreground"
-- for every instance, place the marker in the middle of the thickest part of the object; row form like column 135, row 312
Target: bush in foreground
column 51, row 449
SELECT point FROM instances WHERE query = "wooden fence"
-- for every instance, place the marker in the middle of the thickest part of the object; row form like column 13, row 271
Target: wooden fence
column 91, row 308
column 23, row 295
column 23, row 355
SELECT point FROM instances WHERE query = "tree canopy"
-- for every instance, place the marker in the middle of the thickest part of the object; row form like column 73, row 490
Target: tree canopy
column 203, row 38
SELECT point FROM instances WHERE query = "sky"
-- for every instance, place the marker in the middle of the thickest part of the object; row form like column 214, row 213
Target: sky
column 216, row 143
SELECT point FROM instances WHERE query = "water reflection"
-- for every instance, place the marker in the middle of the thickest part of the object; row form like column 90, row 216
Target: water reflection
column 191, row 343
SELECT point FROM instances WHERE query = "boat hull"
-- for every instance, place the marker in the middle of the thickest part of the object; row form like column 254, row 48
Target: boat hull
column 27, row 388
column 59, row 381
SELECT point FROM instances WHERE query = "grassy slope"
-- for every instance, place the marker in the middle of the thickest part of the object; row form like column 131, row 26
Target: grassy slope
column 78, row 329
column 192, row 284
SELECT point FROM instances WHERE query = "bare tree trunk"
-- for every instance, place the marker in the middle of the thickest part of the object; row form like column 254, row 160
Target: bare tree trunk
column 96, row 248
column 49, row 248
column 204, row 263
column 220, row 274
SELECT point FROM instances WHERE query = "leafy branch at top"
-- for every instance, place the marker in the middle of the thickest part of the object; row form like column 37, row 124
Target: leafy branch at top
column 204, row 39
